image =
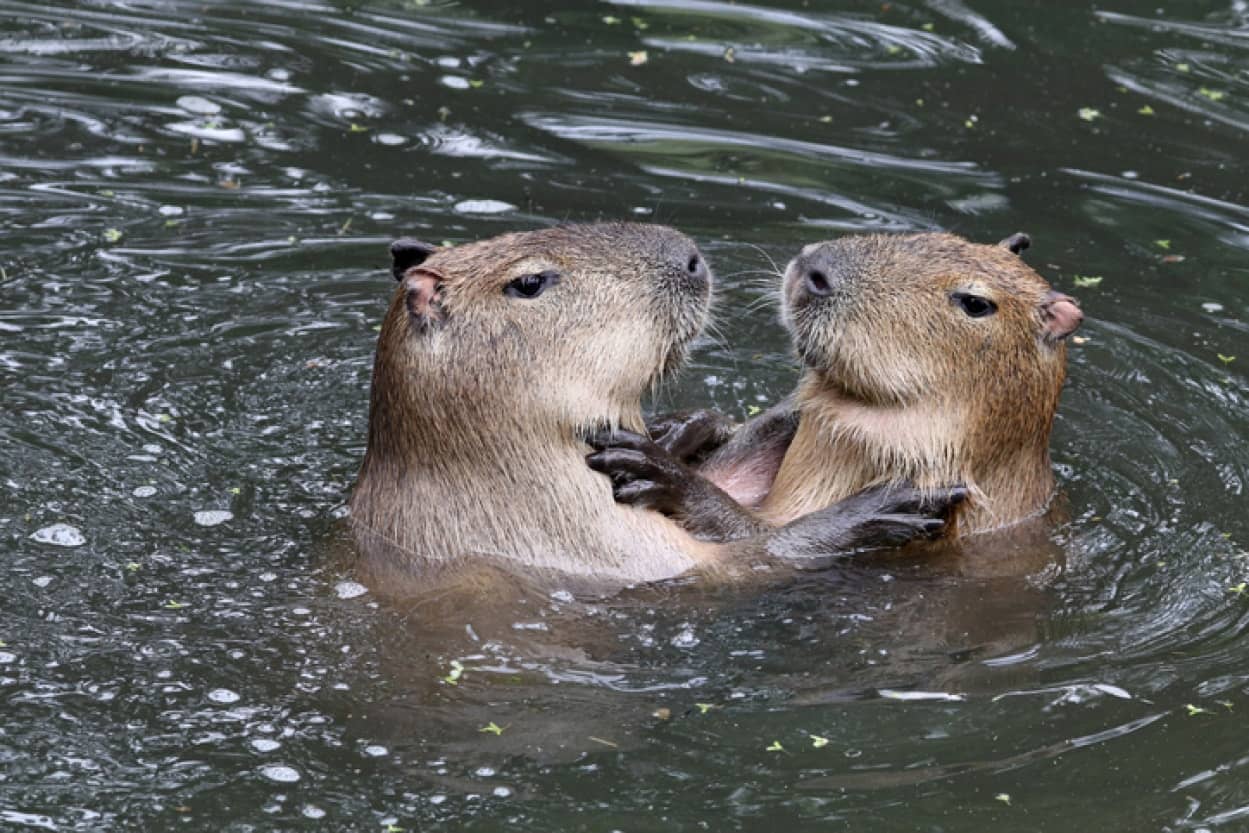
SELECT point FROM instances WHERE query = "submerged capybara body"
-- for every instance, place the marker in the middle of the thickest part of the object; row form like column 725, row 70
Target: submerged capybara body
column 928, row 359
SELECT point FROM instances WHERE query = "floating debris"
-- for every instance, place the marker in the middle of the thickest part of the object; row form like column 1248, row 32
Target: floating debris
column 638, row 58
column 1089, row 114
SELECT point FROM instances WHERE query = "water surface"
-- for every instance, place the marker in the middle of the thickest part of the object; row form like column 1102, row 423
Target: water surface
column 196, row 200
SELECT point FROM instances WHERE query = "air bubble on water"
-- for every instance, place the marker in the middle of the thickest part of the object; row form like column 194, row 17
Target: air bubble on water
column 448, row 62
column 484, row 771
column 390, row 139
column 502, row 792
column 213, row 517
column 170, row 211
column 437, row 799
column 455, row 82
column 483, row 207
column 144, row 491
column 223, row 696
column 350, row 589
column 199, row 105
column 41, row 581
column 313, row 812
column 686, row 638
column 265, row 745
column 376, row 751
column 60, row 535
column 1211, row 306
column 6, row 658
column 280, row 774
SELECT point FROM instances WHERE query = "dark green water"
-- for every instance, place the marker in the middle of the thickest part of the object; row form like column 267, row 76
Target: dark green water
column 196, row 199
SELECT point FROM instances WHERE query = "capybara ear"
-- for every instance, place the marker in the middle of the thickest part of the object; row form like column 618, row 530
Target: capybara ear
column 1017, row 242
column 423, row 297
column 1060, row 316
column 406, row 253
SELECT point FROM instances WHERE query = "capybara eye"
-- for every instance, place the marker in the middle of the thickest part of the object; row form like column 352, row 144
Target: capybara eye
column 531, row 286
column 974, row 305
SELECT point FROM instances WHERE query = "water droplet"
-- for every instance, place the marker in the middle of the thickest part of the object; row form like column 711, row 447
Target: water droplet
column 280, row 774
column 223, row 695
column 212, row 517
column 60, row 535
column 350, row 589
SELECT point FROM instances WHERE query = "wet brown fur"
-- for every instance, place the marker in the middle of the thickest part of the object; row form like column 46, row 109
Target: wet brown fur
column 479, row 403
column 901, row 385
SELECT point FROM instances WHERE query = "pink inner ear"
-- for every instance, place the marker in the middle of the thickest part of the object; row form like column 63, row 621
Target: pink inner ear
column 1062, row 316
column 422, row 287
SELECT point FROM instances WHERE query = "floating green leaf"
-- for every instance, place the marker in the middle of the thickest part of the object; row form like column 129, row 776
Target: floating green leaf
column 112, row 235
column 1182, row 67
column 132, row 566
column 1213, row 95
column 1193, row 711
column 640, row 23
column 928, row 27
column 610, row 20
column 1238, row 589
column 1146, row 110
column 1163, row 244
column 775, row 747
column 172, row 605
column 492, row 728
column 819, row 742
column 1225, row 359
column 476, row 83
column 1086, row 281
column 703, row 708
column 1089, row 113
column 457, row 670
column 1003, row 797
column 358, row 128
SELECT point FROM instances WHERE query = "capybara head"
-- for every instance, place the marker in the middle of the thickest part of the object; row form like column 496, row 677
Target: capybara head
column 563, row 327
column 896, row 320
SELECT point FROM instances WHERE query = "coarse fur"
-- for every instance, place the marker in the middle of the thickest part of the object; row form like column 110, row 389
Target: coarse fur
column 480, row 402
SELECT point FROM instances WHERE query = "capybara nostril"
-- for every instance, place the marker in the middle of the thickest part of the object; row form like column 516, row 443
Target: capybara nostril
column 818, row 283
column 696, row 268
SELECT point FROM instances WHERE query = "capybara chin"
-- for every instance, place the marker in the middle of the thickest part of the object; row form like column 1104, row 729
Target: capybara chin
column 928, row 359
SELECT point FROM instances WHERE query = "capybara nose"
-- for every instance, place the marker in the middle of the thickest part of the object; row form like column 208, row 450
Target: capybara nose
column 817, row 282
column 695, row 266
